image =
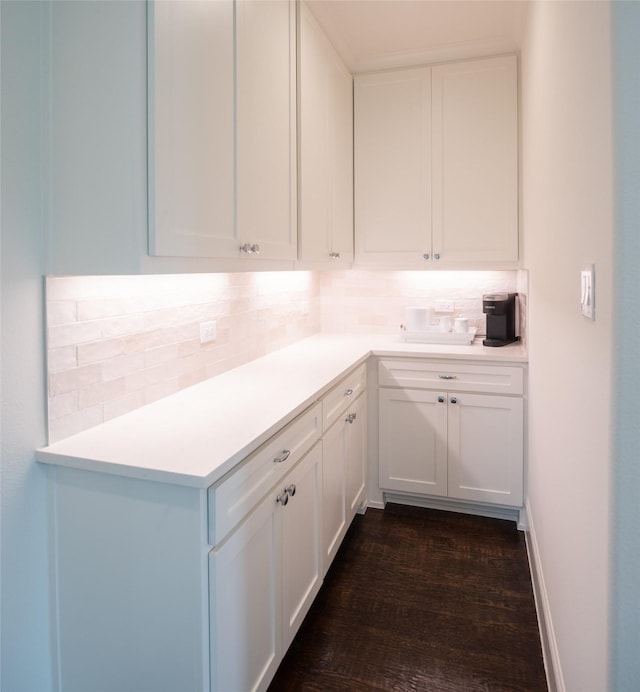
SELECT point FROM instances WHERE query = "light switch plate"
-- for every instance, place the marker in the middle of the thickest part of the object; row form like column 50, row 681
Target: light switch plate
column 588, row 291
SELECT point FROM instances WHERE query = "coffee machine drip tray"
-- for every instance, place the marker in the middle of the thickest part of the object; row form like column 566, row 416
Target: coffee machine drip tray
column 434, row 336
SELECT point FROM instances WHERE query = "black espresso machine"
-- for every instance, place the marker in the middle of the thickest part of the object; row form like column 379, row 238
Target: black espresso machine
column 502, row 323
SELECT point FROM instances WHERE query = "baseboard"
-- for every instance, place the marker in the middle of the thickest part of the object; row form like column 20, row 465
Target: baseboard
column 550, row 654
column 454, row 506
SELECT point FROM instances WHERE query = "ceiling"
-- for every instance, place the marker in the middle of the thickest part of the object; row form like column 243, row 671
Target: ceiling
column 380, row 34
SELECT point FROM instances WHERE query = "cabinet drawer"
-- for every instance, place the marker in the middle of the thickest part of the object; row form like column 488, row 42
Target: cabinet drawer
column 237, row 494
column 451, row 376
column 339, row 398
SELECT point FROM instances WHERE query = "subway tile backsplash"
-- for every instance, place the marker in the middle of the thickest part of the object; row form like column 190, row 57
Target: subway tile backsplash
column 118, row 343
column 374, row 301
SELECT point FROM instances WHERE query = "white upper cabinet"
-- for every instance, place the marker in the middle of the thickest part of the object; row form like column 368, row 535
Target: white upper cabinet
column 223, row 129
column 325, row 113
column 191, row 129
column 392, row 131
column 436, row 165
column 475, row 161
column 266, row 127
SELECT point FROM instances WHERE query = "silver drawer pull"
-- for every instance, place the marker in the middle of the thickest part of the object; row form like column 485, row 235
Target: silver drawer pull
column 447, row 377
column 351, row 417
column 284, row 498
column 284, row 457
column 291, row 489
column 349, row 392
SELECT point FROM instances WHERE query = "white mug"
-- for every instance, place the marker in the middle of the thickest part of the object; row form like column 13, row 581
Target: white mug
column 461, row 325
column 417, row 319
column 445, row 324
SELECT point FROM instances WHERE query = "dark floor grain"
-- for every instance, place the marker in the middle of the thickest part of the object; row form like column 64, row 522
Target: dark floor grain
column 421, row 600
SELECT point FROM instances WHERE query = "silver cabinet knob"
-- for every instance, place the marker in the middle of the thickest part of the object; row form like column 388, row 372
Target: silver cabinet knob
column 351, row 417
column 453, row 400
column 425, row 256
column 447, row 377
column 284, row 498
column 255, row 249
column 245, row 248
column 283, row 457
column 436, row 256
column 348, row 392
column 291, row 490
column 334, row 255
column 441, row 400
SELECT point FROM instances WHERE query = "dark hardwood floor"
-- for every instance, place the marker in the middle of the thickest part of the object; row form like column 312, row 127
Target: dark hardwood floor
column 421, row 600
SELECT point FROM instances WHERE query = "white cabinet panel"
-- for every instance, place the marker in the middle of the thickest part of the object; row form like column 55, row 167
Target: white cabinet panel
column 436, row 165
column 422, row 374
column 342, row 396
column 266, row 126
column 263, row 579
column 334, row 517
column 451, row 442
column 234, row 497
column 392, row 140
column 475, row 161
column 191, row 129
column 244, row 576
column 301, row 535
column 222, row 119
column 326, row 148
column 356, row 455
column 485, row 448
column 413, row 441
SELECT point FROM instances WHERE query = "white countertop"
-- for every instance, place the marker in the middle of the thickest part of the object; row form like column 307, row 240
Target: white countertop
column 197, row 435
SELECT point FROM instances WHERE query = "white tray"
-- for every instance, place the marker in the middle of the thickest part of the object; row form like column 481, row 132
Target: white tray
column 437, row 337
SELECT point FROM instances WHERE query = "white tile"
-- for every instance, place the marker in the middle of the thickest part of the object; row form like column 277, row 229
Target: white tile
column 100, row 392
column 61, row 312
column 75, row 423
column 99, row 350
column 124, row 404
column 113, row 368
column 63, row 405
column 73, row 334
column 74, row 379
column 60, row 359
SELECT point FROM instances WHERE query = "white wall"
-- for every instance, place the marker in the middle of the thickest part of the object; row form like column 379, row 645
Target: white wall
column 626, row 564
column 26, row 654
column 568, row 223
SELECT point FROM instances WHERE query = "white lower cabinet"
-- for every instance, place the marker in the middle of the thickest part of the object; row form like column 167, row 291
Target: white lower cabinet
column 344, row 455
column 451, row 442
column 263, row 579
column 413, row 441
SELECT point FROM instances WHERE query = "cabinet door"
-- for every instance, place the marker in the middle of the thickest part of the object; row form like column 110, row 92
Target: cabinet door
column 266, row 126
column 340, row 101
column 191, row 129
column 413, row 441
column 326, row 148
column 486, row 448
column 301, row 533
column 334, row 520
column 356, row 447
column 475, row 161
column 244, row 579
column 392, row 140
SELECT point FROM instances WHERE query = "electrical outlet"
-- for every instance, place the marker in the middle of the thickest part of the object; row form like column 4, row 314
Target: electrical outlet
column 208, row 331
column 443, row 306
